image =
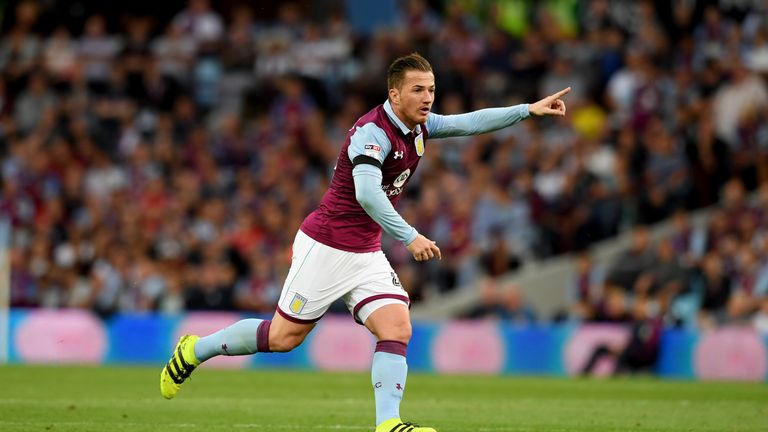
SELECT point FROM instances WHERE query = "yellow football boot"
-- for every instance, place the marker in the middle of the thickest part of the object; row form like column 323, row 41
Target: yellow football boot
column 179, row 367
column 397, row 425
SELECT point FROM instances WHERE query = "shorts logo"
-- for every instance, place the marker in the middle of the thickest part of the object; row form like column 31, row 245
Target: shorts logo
column 400, row 180
column 419, row 142
column 395, row 280
column 298, row 303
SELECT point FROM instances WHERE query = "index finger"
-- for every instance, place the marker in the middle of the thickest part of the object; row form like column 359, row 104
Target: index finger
column 562, row 92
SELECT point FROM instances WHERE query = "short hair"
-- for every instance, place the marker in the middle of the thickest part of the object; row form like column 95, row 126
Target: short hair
column 401, row 65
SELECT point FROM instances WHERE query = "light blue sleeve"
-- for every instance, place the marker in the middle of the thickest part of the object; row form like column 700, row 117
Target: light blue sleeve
column 369, row 140
column 475, row 122
column 374, row 201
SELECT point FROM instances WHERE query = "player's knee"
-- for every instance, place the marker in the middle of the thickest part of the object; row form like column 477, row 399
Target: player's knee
column 404, row 333
column 400, row 331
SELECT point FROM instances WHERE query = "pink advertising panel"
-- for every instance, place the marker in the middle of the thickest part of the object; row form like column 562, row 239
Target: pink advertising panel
column 339, row 344
column 61, row 336
column 469, row 347
column 733, row 353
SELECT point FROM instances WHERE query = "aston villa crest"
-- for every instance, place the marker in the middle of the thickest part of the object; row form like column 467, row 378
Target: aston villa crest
column 419, row 142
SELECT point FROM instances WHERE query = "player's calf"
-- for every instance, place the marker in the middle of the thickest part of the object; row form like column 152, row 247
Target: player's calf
column 285, row 343
column 286, row 335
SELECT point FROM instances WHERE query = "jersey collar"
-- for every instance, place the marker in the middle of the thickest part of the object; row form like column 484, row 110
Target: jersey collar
column 400, row 125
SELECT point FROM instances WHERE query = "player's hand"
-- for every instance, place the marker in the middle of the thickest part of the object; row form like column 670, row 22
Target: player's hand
column 550, row 105
column 424, row 249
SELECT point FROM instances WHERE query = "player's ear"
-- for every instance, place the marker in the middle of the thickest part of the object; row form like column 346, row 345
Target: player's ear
column 394, row 96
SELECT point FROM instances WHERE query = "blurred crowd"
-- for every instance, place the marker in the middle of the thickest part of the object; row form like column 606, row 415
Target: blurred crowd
column 694, row 276
column 152, row 164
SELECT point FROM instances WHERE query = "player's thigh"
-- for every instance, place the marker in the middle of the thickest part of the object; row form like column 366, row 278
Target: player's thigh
column 318, row 276
column 379, row 287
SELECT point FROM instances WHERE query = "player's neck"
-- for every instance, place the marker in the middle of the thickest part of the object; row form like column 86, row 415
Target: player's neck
column 410, row 125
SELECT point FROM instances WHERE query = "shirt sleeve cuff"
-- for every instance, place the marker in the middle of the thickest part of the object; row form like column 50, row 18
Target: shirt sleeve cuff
column 411, row 237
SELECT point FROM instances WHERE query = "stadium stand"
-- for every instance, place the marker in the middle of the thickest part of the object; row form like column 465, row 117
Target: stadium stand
column 163, row 161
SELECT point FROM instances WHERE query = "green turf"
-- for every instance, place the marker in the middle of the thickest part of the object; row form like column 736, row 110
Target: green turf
column 127, row 399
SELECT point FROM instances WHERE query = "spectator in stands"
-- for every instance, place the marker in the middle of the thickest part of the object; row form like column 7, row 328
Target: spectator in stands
column 709, row 158
column 515, row 308
column 668, row 277
column 34, row 102
column 504, row 301
column 489, row 305
column 626, row 270
column 642, row 348
column 750, row 285
column 584, row 290
column 612, row 306
column 20, row 47
column 201, row 24
column 498, row 259
column 737, row 99
column 212, row 288
column 97, row 50
column 665, row 181
column 688, row 242
column 714, row 288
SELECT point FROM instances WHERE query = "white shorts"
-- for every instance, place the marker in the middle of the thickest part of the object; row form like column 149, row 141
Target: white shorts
column 320, row 275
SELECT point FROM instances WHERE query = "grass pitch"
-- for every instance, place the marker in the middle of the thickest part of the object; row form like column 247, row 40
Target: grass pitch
column 109, row 399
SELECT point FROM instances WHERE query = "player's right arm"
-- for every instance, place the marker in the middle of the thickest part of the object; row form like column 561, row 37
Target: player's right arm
column 368, row 148
column 492, row 119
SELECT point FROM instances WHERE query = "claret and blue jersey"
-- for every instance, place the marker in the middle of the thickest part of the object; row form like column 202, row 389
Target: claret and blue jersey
column 381, row 153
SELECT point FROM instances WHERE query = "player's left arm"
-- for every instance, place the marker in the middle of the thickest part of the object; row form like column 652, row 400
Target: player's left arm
column 491, row 119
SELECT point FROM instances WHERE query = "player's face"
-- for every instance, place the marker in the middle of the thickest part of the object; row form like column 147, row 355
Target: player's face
column 413, row 100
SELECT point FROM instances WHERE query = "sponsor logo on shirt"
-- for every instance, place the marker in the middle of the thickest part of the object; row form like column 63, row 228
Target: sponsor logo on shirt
column 391, row 192
column 372, row 150
column 396, row 188
column 400, row 180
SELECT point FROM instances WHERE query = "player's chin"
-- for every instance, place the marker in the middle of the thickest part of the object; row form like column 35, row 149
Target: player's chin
column 421, row 115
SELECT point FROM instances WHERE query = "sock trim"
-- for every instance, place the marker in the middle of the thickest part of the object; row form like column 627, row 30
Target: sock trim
column 392, row 347
column 262, row 336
